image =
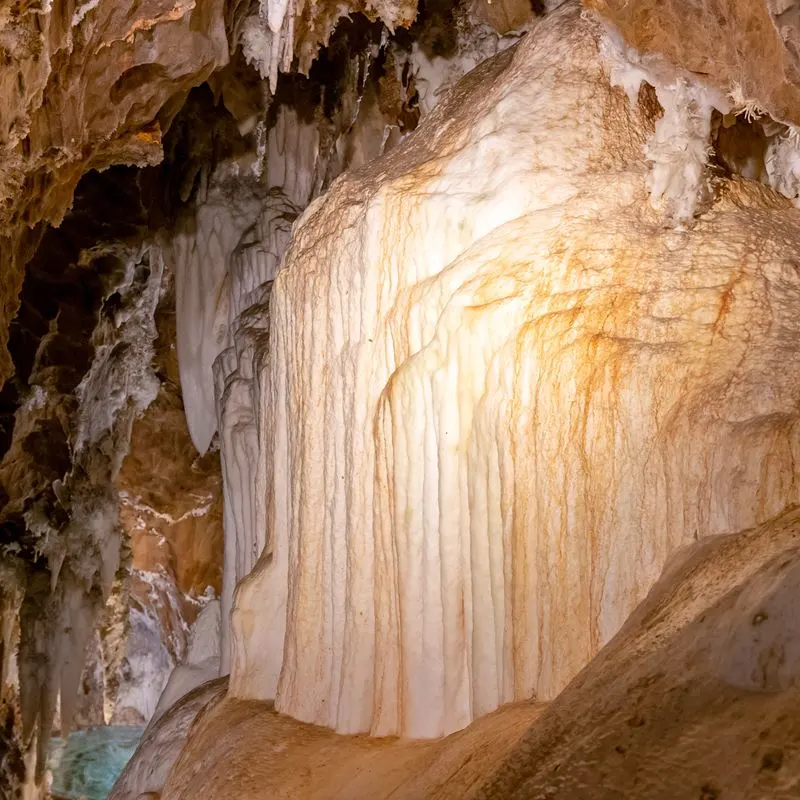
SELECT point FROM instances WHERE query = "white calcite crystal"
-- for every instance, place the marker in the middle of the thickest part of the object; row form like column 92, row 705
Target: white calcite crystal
column 217, row 254
column 498, row 394
column 434, row 75
column 679, row 150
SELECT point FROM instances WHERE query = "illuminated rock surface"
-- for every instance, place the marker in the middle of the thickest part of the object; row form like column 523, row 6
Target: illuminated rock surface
column 462, row 389
column 500, row 393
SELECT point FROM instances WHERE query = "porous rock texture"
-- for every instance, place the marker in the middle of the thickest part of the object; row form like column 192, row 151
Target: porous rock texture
column 695, row 697
column 500, row 392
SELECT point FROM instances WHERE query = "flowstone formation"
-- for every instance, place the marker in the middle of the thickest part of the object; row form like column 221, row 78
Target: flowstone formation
column 502, row 389
column 500, row 375
column 366, row 92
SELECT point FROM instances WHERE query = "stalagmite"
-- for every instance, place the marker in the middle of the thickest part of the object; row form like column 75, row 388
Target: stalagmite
column 229, row 327
column 499, row 393
column 244, row 217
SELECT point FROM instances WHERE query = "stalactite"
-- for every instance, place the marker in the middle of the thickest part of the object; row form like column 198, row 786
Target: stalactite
column 236, row 372
column 200, row 258
column 77, row 528
column 680, row 148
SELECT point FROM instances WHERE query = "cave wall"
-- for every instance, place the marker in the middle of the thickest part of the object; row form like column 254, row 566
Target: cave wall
column 434, row 487
column 171, row 512
column 98, row 604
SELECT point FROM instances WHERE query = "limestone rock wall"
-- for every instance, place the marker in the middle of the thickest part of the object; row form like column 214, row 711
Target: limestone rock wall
column 108, row 550
column 499, row 393
column 749, row 49
column 171, row 512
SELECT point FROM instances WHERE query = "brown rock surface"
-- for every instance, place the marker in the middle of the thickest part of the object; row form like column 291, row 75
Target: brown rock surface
column 245, row 749
column 172, row 503
column 83, row 86
column 748, row 47
column 696, row 697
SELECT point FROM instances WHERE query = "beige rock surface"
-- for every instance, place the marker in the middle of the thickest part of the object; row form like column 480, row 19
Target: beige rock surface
column 696, row 697
column 244, row 749
column 162, row 743
column 500, row 393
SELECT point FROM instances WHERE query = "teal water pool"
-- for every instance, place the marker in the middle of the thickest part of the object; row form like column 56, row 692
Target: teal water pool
column 87, row 763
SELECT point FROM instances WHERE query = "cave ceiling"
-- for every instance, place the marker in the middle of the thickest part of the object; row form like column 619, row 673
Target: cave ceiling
column 87, row 85
column 749, row 49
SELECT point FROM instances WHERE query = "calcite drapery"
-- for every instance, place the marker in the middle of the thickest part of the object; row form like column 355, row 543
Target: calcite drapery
column 499, row 393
